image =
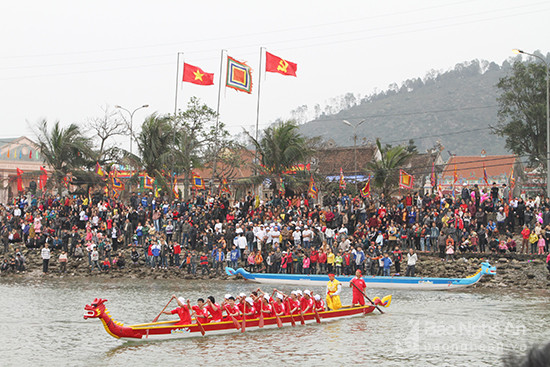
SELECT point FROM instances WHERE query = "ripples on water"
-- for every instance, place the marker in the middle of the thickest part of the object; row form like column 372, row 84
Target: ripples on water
column 42, row 324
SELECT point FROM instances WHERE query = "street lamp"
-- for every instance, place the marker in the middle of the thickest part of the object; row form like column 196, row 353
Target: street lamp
column 131, row 120
column 516, row 51
column 354, row 147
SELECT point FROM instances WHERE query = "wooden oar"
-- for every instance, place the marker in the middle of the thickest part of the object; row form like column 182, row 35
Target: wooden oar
column 363, row 293
column 317, row 318
column 290, row 313
column 243, row 329
column 279, row 322
column 261, row 323
column 199, row 323
column 156, row 318
column 235, row 321
column 302, row 321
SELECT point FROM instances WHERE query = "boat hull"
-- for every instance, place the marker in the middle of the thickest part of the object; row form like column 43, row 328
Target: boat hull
column 373, row 282
column 171, row 331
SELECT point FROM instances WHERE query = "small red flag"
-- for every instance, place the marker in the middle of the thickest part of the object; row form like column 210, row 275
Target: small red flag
column 196, row 75
column 275, row 64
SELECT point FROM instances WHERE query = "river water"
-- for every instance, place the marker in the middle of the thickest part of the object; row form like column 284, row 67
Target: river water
column 42, row 325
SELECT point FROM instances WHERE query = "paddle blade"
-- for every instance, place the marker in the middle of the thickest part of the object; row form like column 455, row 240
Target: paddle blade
column 386, row 301
column 261, row 323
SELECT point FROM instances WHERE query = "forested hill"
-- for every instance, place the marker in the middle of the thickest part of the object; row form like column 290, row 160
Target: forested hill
column 455, row 108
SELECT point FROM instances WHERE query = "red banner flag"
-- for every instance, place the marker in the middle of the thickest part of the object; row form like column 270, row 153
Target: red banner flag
column 43, row 179
column 313, row 191
column 365, row 191
column 275, row 64
column 342, row 181
column 405, row 180
column 19, row 180
column 196, row 75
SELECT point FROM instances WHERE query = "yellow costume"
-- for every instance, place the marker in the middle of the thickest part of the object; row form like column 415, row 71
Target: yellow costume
column 333, row 290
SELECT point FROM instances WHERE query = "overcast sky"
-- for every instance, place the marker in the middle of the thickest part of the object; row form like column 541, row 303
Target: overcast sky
column 64, row 60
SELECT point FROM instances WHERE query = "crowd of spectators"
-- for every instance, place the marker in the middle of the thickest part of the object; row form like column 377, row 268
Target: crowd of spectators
column 291, row 234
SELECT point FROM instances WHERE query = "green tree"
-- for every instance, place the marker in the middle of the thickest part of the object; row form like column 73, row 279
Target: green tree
column 65, row 150
column 155, row 153
column 281, row 147
column 386, row 170
column 196, row 136
column 522, row 110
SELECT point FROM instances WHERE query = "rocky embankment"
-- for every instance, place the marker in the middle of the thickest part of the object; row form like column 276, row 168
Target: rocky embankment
column 80, row 268
column 514, row 271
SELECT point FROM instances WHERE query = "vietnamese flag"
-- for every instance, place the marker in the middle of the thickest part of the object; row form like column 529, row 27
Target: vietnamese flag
column 196, row 75
column 275, row 64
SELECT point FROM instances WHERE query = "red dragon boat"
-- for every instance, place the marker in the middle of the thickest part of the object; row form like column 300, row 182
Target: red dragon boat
column 173, row 330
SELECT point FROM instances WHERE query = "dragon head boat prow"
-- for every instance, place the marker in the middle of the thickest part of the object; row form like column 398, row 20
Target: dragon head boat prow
column 96, row 309
column 487, row 268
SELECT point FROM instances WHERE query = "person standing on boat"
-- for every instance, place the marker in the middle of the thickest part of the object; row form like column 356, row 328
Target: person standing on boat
column 182, row 310
column 359, row 289
column 334, row 287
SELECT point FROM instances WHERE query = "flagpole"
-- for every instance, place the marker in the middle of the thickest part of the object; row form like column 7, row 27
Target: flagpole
column 258, row 106
column 177, row 81
column 172, row 173
column 215, row 158
column 259, row 90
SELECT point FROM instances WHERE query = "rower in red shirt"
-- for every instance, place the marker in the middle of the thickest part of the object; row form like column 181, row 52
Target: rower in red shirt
column 257, row 298
column 294, row 304
column 306, row 302
column 278, row 306
column 182, row 311
column 265, row 307
column 240, row 301
column 200, row 311
column 319, row 303
column 249, row 309
column 231, row 309
column 214, row 309
column 358, row 298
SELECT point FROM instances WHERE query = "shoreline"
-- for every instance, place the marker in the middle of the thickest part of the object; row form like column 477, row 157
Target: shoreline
column 514, row 271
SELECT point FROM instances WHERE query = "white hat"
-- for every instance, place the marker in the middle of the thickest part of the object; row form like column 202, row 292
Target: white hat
column 280, row 296
column 242, row 295
column 266, row 296
column 293, row 292
column 249, row 300
column 317, row 297
column 227, row 296
column 182, row 300
column 299, row 292
column 305, row 226
column 308, row 292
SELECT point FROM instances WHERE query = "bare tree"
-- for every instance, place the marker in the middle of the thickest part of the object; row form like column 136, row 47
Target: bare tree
column 105, row 127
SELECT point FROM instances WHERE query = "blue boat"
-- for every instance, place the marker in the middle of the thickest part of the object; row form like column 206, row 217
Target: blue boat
column 392, row 282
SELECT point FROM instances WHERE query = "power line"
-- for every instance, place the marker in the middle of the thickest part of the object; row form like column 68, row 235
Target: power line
column 310, row 38
column 243, row 35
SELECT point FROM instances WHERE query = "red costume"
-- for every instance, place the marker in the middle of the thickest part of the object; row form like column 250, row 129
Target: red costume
column 307, row 304
column 279, row 308
column 217, row 314
column 358, row 298
column 202, row 314
column 319, row 305
column 183, row 313
column 233, row 310
column 267, row 310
